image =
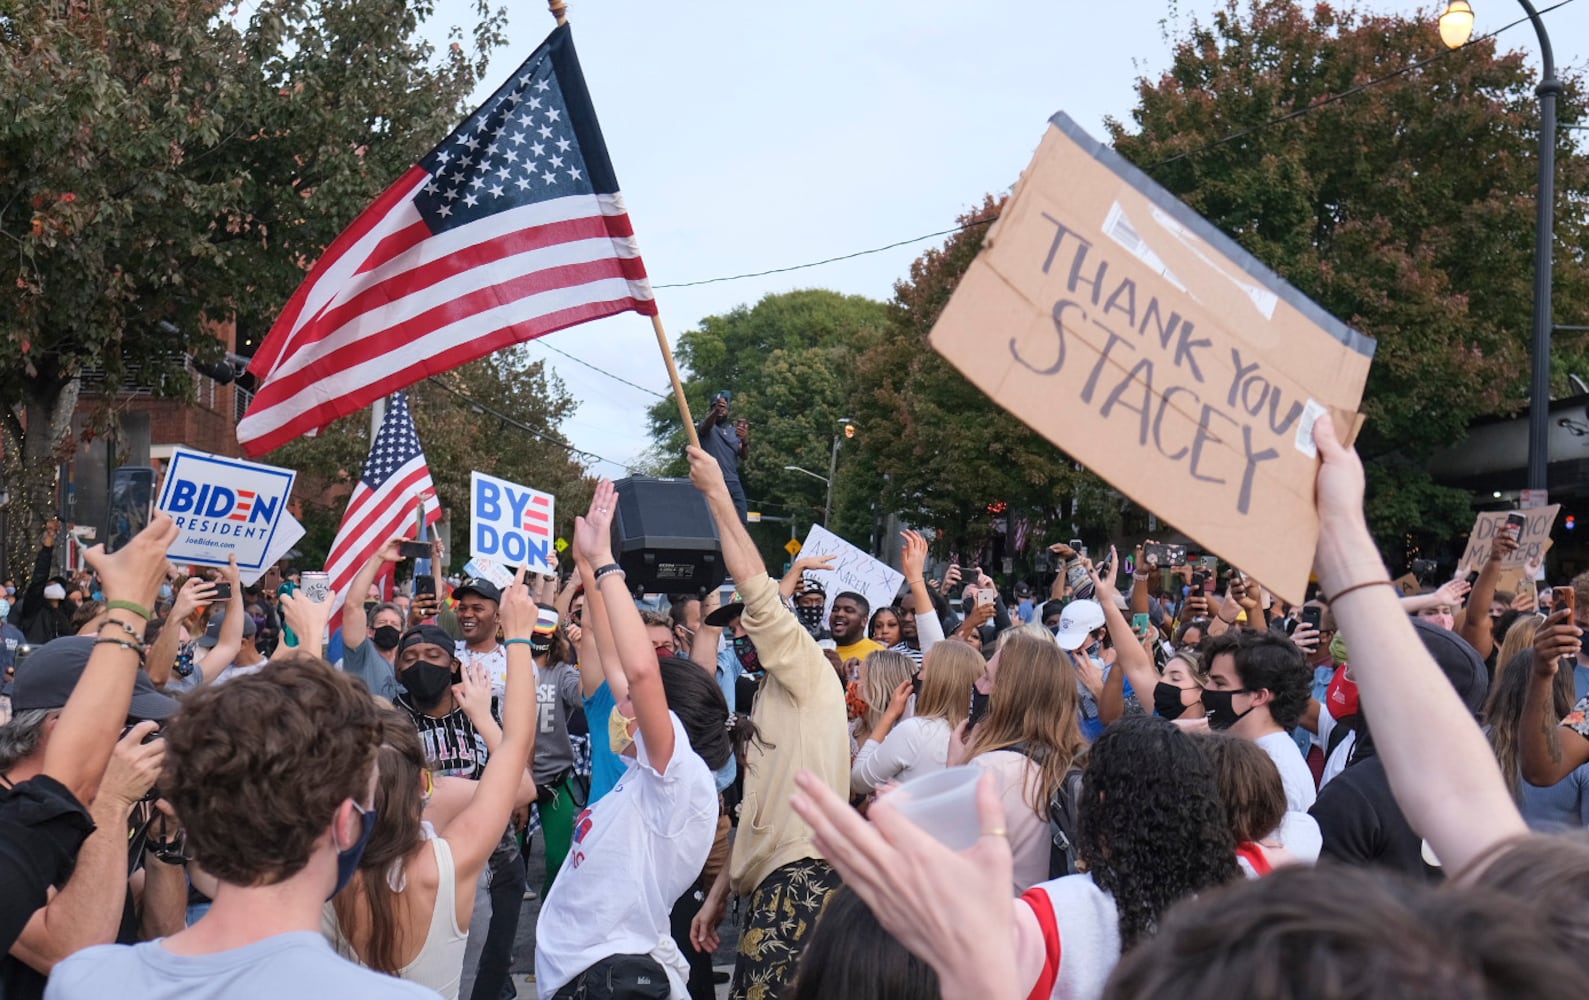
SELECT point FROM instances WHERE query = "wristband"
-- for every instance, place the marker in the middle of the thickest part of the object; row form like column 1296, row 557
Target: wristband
column 137, row 634
column 136, row 648
column 609, row 570
column 137, row 609
column 526, row 642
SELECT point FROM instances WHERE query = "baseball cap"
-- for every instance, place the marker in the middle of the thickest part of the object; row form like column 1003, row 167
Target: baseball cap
column 1457, row 659
column 1078, row 621
column 545, row 627
column 725, row 614
column 426, row 635
column 480, row 587
column 46, row 679
column 212, row 634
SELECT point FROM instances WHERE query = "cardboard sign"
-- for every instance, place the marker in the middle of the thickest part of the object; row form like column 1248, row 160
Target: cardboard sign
column 486, row 569
column 1130, row 332
column 510, row 524
column 224, row 506
column 853, row 570
column 1532, row 544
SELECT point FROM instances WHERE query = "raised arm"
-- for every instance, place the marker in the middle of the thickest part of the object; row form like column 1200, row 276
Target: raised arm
column 355, row 630
column 739, row 552
column 92, row 720
column 1129, row 654
column 791, row 579
column 307, row 619
column 913, row 559
column 1440, row 766
column 593, row 540
column 1552, row 747
column 230, row 641
column 163, row 654
column 598, row 626
column 1473, row 621
column 474, row 834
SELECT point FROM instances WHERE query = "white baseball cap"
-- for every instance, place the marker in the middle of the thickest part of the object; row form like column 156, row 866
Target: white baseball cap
column 1077, row 622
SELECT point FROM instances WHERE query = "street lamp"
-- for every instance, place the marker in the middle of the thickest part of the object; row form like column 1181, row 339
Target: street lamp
column 1456, row 25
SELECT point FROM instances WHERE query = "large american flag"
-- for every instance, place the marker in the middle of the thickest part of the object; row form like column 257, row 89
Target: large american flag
column 510, row 229
column 395, row 482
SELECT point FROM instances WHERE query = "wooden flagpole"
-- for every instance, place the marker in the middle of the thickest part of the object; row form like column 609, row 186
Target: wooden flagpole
column 559, row 10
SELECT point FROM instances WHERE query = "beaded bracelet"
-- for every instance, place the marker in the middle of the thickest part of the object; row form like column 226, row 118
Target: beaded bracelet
column 137, row 634
column 136, row 648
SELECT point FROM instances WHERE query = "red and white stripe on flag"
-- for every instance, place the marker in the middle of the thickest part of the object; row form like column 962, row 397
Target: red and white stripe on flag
column 373, row 518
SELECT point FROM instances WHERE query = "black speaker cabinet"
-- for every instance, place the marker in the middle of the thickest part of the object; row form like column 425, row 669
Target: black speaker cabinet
column 664, row 537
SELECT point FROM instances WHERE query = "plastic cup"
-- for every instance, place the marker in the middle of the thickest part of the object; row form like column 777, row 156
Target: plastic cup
column 944, row 804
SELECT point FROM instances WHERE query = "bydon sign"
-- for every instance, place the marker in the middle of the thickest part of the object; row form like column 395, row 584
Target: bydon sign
column 510, row 524
column 223, row 506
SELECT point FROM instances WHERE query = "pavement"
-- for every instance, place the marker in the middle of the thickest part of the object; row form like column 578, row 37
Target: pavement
column 524, row 944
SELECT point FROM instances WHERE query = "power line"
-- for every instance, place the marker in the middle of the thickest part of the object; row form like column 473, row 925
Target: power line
column 601, row 371
column 538, row 434
column 1232, row 137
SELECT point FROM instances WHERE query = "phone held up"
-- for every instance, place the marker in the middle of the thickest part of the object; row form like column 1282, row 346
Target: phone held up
column 1566, row 597
column 414, row 550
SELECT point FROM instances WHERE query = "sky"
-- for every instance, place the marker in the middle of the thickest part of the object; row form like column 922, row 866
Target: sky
column 748, row 136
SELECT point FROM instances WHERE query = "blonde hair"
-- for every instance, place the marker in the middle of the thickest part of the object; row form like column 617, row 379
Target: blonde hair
column 1518, row 638
column 885, row 671
column 1034, row 706
column 950, row 668
column 1194, row 665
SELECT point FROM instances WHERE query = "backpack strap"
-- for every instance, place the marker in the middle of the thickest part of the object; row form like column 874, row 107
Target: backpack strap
column 1043, row 909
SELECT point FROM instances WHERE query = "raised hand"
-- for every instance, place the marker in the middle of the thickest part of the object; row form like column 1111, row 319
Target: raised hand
column 705, row 473
column 135, row 571
column 1306, row 638
column 1556, row 639
column 1453, row 592
column 913, row 557
column 195, row 593
column 1104, row 578
column 519, row 612
column 593, row 532
column 474, row 693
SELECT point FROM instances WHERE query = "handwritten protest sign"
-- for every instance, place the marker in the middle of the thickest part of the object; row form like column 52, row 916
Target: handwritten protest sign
column 224, row 506
column 852, row 569
column 510, row 524
column 1533, row 542
column 1131, row 333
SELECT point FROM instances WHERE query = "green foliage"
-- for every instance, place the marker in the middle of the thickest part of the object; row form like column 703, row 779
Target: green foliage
column 457, row 436
column 789, row 362
column 159, row 166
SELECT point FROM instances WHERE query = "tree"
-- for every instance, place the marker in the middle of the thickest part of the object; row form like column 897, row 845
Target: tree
column 950, row 458
column 501, row 415
column 160, row 168
column 790, row 363
column 1405, row 208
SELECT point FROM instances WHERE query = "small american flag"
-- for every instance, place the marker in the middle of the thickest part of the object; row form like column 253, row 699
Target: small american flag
column 395, row 480
column 510, row 229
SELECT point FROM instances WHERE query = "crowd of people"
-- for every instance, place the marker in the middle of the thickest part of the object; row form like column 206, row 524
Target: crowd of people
column 1184, row 786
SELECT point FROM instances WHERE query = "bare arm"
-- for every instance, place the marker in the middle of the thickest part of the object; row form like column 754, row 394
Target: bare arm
column 474, row 834
column 593, row 538
column 1132, row 662
column 1473, row 622
column 230, row 642
column 163, row 654
column 739, row 552
column 354, row 628
column 913, row 558
column 1550, row 750
column 164, row 909
column 87, row 910
column 91, row 722
column 598, row 622
column 1439, row 764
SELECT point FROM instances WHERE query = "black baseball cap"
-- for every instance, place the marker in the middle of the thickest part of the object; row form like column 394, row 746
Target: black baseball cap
column 427, row 635
column 46, row 679
column 724, row 615
column 212, row 633
column 480, row 587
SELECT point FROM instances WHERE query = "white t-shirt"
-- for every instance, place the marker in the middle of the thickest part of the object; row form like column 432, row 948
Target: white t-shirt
column 237, row 671
column 1299, row 832
column 635, row 851
column 295, row 964
column 1088, row 926
column 1336, row 762
column 494, row 660
column 914, row 747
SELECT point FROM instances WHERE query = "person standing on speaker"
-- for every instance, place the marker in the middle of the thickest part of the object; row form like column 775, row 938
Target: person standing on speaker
column 801, row 724
column 729, row 445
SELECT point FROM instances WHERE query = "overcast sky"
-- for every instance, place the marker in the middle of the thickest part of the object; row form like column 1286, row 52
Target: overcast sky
column 749, row 136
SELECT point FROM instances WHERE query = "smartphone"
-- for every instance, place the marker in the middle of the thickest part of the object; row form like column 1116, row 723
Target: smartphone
column 414, row 550
column 979, row 708
column 987, row 595
column 1075, row 543
column 1209, row 583
column 1313, row 617
column 1566, row 597
column 424, row 585
column 131, row 504
column 1155, row 554
column 1515, row 522
column 827, row 644
column 1140, row 623
column 1198, row 579
column 223, row 592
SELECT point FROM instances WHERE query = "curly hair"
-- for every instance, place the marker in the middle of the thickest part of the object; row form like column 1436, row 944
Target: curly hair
column 256, row 768
column 1151, row 828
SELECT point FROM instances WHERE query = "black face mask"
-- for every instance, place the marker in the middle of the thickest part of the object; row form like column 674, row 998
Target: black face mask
column 811, row 618
column 426, row 683
column 746, row 651
column 979, row 708
column 1167, row 702
column 1220, row 708
column 386, row 637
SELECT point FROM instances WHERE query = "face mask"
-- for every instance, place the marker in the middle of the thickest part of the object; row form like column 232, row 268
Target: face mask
column 810, row 618
column 184, row 661
column 426, row 683
column 979, row 706
column 746, row 651
column 5, row 607
column 165, row 592
column 618, row 732
column 1220, row 708
column 1167, row 702
column 348, row 860
column 1095, row 650
column 386, row 637
column 1342, row 696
